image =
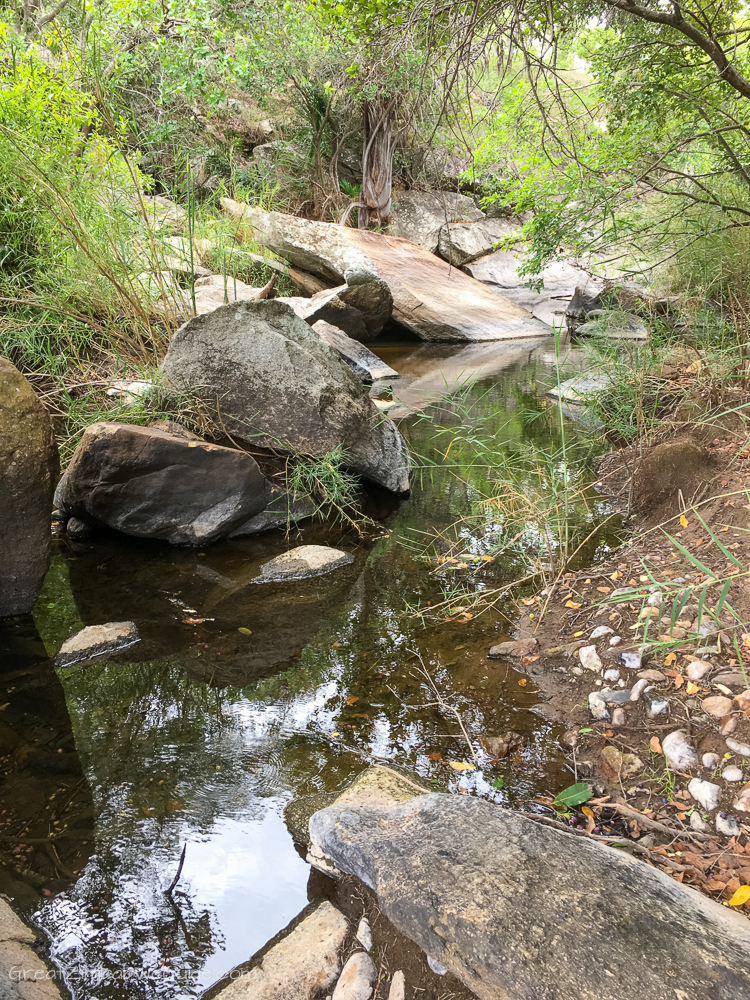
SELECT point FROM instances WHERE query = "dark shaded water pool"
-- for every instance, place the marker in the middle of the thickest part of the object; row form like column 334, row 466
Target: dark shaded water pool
column 201, row 734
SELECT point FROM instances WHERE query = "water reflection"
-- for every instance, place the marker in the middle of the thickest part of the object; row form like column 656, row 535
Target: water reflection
column 203, row 734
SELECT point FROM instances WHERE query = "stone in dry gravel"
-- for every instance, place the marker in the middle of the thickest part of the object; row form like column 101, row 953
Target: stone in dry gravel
column 705, row 793
column 590, row 658
column 678, row 752
column 717, row 705
column 357, row 979
column 698, row 669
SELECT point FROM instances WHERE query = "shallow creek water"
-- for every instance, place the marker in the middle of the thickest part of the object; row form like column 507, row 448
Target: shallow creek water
column 201, row 734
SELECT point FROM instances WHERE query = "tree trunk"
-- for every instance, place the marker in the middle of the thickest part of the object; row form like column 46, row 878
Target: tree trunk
column 377, row 163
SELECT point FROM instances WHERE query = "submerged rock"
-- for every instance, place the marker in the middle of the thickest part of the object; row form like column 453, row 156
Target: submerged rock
column 152, row 483
column 516, row 909
column 299, row 966
column 303, row 562
column 515, row 648
column 96, row 640
column 22, row 972
column 28, row 469
column 277, row 385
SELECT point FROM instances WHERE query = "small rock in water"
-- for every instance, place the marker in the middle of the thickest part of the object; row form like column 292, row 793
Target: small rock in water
column 615, row 640
column 364, row 934
column 741, row 749
column 303, row 562
column 619, row 718
column 612, row 675
column 706, row 793
column 96, row 640
column 698, row 669
column 656, row 704
column 727, row 825
column 717, row 705
column 590, row 658
column 514, row 648
column 437, row 967
column 710, row 760
column 357, row 979
column 732, row 773
column 398, row 987
column 697, row 822
column 598, row 706
column 652, row 675
column 638, row 688
column 600, row 631
column 678, row 752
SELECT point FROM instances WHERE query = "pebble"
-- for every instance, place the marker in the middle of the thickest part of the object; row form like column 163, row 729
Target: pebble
column 569, row 739
column 600, row 631
column 678, row 752
column 398, row 987
column 741, row 749
column 732, row 678
column 728, row 725
column 618, row 717
column 514, row 648
column 652, row 675
column 656, row 704
column 698, row 669
column 705, row 792
column 655, row 600
column 697, row 822
column 615, row 640
column 732, row 773
column 717, row 705
column 578, row 671
column 612, row 675
column 710, row 760
column 727, row 825
column 357, row 979
column 615, row 696
column 590, row 658
column 598, row 706
column 437, row 967
column 638, row 688
column 631, row 661
column 364, row 934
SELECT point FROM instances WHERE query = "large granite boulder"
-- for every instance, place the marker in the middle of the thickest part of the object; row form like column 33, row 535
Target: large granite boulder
column 278, row 385
column 360, row 308
column 28, row 470
column 418, row 216
column 460, row 243
column 155, row 484
column 430, row 297
column 365, row 365
column 517, row 910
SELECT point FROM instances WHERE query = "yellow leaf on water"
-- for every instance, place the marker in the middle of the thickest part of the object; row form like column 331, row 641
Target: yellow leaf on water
column 683, row 521
column 571, row 604
column 741, row 896
column 459, row 765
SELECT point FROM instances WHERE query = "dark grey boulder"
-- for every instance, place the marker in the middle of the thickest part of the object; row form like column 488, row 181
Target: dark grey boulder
column 282, row 510
column 28, row 470
column 366, row 366
column 517, row 910
column 277, row 385
column 154, row 484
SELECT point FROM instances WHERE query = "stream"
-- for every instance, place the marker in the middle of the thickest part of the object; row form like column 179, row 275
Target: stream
column 201, row 734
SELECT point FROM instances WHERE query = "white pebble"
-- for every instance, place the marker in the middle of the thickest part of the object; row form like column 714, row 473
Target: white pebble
column 655, row 600
column 727, row 825
column 698, row 669
column 732, row 773
column 613, row 674
column 615, row 640
column 705, row 792
column 618, row 717
column 590, row 658
column 710, row 760
column 638, row 688
column 600, row 631
column 697, row 822
column 742, row 749
column 398, row 987
column 364, row 934
column 678, row 752
column 598, row 706
column 437, row 967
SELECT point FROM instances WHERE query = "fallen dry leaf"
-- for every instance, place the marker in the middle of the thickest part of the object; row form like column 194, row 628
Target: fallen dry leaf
column 670, row 659
column 604, row 590
column 683, row 521
column 692, row 688
column 352, row 699
column 741, row 896
column 523, row 682
column 434, row 756
column 679, row 680
column 655, row 745
column 528, row 601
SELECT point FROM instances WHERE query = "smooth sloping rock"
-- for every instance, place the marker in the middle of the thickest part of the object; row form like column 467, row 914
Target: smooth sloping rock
column 216, row 290
column 282, row 509
column 277, row 385
column 431, row 298
column 575, row 389
column 23, row 975
column 418, row 216
column 500, row 271
column 154, row 484
column 519, row 911
column 365, row 365
column 303, row 562
column 298, row 967
column 96, row 640
column 358, row 978
column 28, row 470
column 461, row 243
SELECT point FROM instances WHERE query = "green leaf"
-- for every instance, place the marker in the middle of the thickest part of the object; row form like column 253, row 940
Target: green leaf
column 498, row 784
column 588, row 730
column 574, row 795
